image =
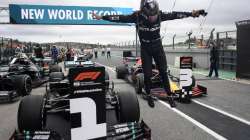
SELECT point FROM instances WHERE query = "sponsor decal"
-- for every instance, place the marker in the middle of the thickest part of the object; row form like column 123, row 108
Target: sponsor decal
column 87, row 91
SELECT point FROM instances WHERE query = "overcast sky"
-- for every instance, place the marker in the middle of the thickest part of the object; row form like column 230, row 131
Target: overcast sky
column 221, row 16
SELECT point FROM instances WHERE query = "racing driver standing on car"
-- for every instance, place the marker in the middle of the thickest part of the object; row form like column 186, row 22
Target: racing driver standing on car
column 148, row 21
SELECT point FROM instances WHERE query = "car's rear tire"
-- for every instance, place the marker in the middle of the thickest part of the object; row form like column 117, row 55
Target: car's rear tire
column 128, row 109
column 31, row 113
column 55, row 68
column 121, row 72
column 139, row 83
column 23, row 84
column 187, row 98
column 56, row 76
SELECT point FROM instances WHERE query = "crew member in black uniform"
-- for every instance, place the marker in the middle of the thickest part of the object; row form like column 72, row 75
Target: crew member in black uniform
column 214, row 57
column 148, row 22
column 38, row 51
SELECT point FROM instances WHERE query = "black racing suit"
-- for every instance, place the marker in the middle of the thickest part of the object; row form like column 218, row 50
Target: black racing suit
column 151, row 44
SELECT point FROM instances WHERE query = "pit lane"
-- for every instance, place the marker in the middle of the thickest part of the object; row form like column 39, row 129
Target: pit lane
column 165, row 122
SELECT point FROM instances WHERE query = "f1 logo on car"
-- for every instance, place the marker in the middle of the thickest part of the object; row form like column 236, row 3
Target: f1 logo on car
column 87, row 75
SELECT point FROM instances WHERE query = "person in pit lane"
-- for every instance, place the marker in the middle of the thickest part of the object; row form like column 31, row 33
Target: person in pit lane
column 148, row 20
column 38, row 52
column 103, row 51
column 108, row 53
column 54, row 54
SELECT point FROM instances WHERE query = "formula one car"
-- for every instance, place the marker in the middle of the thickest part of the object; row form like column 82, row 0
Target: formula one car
column 80, row 107
column 132, row 71
column 45, row 65
column 21, row 64
column 12, row 85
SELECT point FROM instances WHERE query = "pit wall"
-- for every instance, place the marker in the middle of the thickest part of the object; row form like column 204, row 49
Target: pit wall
column 200, row 56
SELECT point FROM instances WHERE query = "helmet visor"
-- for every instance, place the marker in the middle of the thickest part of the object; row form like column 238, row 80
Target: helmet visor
column 150, row 8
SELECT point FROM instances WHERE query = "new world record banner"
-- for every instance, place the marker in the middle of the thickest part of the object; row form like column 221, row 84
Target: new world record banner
column 62, row 15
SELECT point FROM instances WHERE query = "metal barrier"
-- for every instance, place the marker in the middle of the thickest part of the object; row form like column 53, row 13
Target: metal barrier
column 226, row 42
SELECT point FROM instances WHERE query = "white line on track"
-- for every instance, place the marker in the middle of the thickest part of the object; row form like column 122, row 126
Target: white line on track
column 110, row 68
column 203, row 127
column 223, row 112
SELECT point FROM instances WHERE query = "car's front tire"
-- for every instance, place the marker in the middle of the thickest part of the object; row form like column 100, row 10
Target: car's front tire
column 31, row 113
column 128, row 109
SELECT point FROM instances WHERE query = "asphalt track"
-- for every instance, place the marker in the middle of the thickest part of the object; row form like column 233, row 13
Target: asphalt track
column 223, row 114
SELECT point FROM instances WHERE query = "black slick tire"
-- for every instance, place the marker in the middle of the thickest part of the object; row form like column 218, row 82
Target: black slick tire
column 128, row 107
column 23, row 84
column 30, row 113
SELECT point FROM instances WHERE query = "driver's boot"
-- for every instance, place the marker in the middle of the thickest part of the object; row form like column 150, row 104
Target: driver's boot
column 150, row 100
column 171, row 100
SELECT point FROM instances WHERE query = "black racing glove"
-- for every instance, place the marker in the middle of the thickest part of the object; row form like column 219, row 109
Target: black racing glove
column 202, row 12
column 197, row 13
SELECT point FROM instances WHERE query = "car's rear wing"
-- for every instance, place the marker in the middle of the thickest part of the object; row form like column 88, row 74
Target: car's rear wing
column 129, row 58
column 87, row 79
column 72, row 64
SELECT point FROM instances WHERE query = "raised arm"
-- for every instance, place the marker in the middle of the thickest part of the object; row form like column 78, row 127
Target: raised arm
column 178, row 15
column 117, row 18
